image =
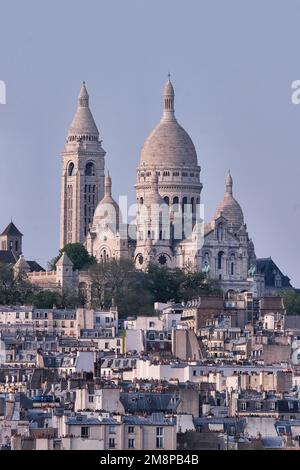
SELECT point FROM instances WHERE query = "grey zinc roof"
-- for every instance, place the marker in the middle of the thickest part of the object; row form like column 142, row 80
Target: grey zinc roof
column 149, row 402
column 154, row 419
column 83, row 419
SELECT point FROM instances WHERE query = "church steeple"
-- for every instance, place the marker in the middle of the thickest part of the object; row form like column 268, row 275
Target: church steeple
column 168, row 101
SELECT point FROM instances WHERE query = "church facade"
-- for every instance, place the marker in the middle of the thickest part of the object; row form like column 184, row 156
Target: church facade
column 169, row 228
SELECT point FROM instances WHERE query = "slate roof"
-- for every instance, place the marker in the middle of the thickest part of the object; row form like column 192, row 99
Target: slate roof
column 269, row 269
column 7, row 257
column 11, row 230
column 35, row 267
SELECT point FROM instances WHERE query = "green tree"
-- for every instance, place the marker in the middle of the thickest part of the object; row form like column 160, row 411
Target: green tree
column 78, row 254
column 121, row 282
column 291, row 300
column 14, row 289
column 47, row 299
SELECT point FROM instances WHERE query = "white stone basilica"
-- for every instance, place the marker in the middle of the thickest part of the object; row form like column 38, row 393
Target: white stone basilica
column 168, row 228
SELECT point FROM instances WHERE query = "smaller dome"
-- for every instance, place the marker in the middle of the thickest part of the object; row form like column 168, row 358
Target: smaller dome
column 229, row 208
column 107, row 212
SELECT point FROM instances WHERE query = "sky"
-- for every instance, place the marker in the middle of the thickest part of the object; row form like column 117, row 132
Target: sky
column 232, row 64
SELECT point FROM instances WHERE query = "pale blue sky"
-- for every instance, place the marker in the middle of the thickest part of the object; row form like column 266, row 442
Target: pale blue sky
column 232, row 64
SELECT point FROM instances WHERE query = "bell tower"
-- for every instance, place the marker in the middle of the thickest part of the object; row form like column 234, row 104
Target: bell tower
column 82, row 174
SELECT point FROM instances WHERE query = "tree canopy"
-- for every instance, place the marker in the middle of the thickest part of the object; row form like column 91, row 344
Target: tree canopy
column 78, row 254
column 13, row 289
column 135, row 291
column 291, row 300
column 116, row 281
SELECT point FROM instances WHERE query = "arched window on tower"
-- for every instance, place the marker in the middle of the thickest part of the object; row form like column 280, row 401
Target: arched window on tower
column 90, row 169
column 71, row 169
column 167, row 200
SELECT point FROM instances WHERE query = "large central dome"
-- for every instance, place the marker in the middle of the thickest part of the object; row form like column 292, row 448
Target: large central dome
column 168, row 143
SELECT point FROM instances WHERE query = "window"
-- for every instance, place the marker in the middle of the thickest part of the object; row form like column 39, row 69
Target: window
column 130, row 429
column 106, row 346
column 90, row 169
column 272, row 405
column 162, row 259
column 71, row 169
column 130, row 443
column 26, row 315
column 17, row 315
column 173, row 323
column 243, row 406
column 220, row 256
column 85, row 432
column 159, row 438
column 106, row 319
column 91, row 398
column 220, row 232
column 281, row 429
column 112, row 429
column 151, row 324
column 258, row 405
column 111, row 443
column 232, row 268
column 151, row 336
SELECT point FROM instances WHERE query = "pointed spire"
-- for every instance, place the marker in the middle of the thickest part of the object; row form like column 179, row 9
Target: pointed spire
column 83, row 97
column 169, row 95
column 107, row 186
column 228, row 183
column 64, row 260
column 83, row 122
